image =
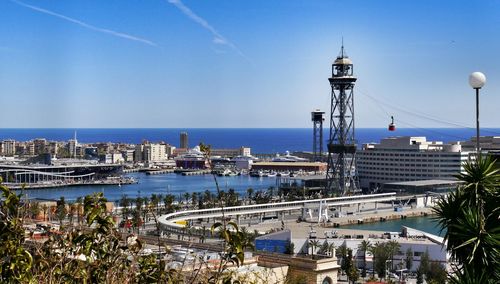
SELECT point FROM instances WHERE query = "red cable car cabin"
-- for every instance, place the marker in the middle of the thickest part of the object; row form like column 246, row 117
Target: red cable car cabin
column 392, row 126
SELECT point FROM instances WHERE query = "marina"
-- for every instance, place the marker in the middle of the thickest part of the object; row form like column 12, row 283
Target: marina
column 156, row 184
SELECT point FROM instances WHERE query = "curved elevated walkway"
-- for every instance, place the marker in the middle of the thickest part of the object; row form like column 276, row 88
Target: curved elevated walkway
column 168, row 221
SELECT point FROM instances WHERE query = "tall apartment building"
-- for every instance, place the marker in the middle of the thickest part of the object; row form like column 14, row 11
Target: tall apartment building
column 150, row 152
column 53, row 148
column 29, row 148
column 9, row 147
column 407, row 158
column 184, row 140
column 72, row 145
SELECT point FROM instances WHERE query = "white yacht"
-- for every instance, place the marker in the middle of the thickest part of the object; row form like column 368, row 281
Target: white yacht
column 288, row 158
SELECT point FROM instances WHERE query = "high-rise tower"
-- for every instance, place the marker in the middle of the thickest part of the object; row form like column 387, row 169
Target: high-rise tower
column 341, row 171
column 184, row 140
column 317, row 118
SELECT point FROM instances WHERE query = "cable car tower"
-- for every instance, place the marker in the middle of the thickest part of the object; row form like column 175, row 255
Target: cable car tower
column 317, row 118
column 341, row 176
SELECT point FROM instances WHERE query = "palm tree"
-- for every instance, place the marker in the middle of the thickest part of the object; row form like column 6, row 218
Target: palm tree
column 472, row 233
column 61, row 211
column 364, row 246
column 35, row 209
column 186, row 196
column 313, row 244
column 392, row 248
column 194, row 199
column 154, row 202
column 168, row 202
column 249, row 194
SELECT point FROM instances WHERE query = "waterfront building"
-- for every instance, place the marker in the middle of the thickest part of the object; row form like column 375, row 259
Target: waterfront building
column 244, row 162
column 184, row 140
column 20, row 149
column 230, row 153
column 66, row 172
column 112, row 158
column 128, row 155
column 53, row 148
column 150, row 152
column 39, row 146
column 29, row 148
column 418, row 241
column 397, row 159
column 9, row 147
column 487, row 143
column 72, row 144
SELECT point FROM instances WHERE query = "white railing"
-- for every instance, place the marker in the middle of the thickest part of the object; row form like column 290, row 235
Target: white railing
column 169, row 220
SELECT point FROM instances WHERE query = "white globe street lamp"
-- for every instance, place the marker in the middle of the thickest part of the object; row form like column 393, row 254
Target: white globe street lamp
column 477, row 81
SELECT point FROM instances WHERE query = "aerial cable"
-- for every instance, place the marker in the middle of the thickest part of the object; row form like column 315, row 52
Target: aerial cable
column 422, row 115
column 423, row 130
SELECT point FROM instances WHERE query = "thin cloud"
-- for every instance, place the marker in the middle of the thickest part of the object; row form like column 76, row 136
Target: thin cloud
column 85, row 25
column 218, row 38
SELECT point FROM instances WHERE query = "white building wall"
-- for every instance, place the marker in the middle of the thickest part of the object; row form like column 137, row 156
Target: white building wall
column 408, row 159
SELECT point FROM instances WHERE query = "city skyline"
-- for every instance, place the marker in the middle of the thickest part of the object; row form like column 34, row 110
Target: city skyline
column 190, row 64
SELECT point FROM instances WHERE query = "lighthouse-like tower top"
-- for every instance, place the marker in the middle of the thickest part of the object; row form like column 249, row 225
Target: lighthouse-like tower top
column 342, row 66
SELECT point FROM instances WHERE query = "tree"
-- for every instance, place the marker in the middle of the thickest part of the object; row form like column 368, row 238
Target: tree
column 364, row 246
column 168, row 203
column 290, row 248
column 250, row 194
column 313, row 244
column 350, row 268
column 323, row 248
column 194, row 199
column 472, row 233
column 45, row 209
column 155, row 201
column 61, row 211
column 393, row 248
column 186, row 196
column 16, row 262
column 34, row 209
column 424, row 262
column 436, row 274
column 380, row 256
column 420, row 275
column 409, row 259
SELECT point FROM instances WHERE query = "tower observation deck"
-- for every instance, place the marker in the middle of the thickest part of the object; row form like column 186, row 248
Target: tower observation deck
column 341, row 170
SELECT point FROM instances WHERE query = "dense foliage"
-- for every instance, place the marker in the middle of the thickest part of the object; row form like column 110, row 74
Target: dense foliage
column 470, row 217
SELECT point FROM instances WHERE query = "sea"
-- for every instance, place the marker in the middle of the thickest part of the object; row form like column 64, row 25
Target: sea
column 260, row 140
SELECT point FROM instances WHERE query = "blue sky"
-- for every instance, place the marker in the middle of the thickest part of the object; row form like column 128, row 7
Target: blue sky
column 234, row 63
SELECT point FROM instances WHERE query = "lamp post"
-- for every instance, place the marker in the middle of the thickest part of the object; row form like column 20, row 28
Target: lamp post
column 477, row 81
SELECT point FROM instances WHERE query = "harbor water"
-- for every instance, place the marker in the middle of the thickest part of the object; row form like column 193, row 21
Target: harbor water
column 426, row 224
column 158, row 184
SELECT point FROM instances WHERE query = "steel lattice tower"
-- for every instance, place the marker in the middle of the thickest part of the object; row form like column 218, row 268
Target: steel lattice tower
column 317, row 117
column 341, row 176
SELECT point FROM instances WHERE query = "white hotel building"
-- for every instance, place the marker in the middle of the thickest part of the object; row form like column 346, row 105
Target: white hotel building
column 397, row 159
